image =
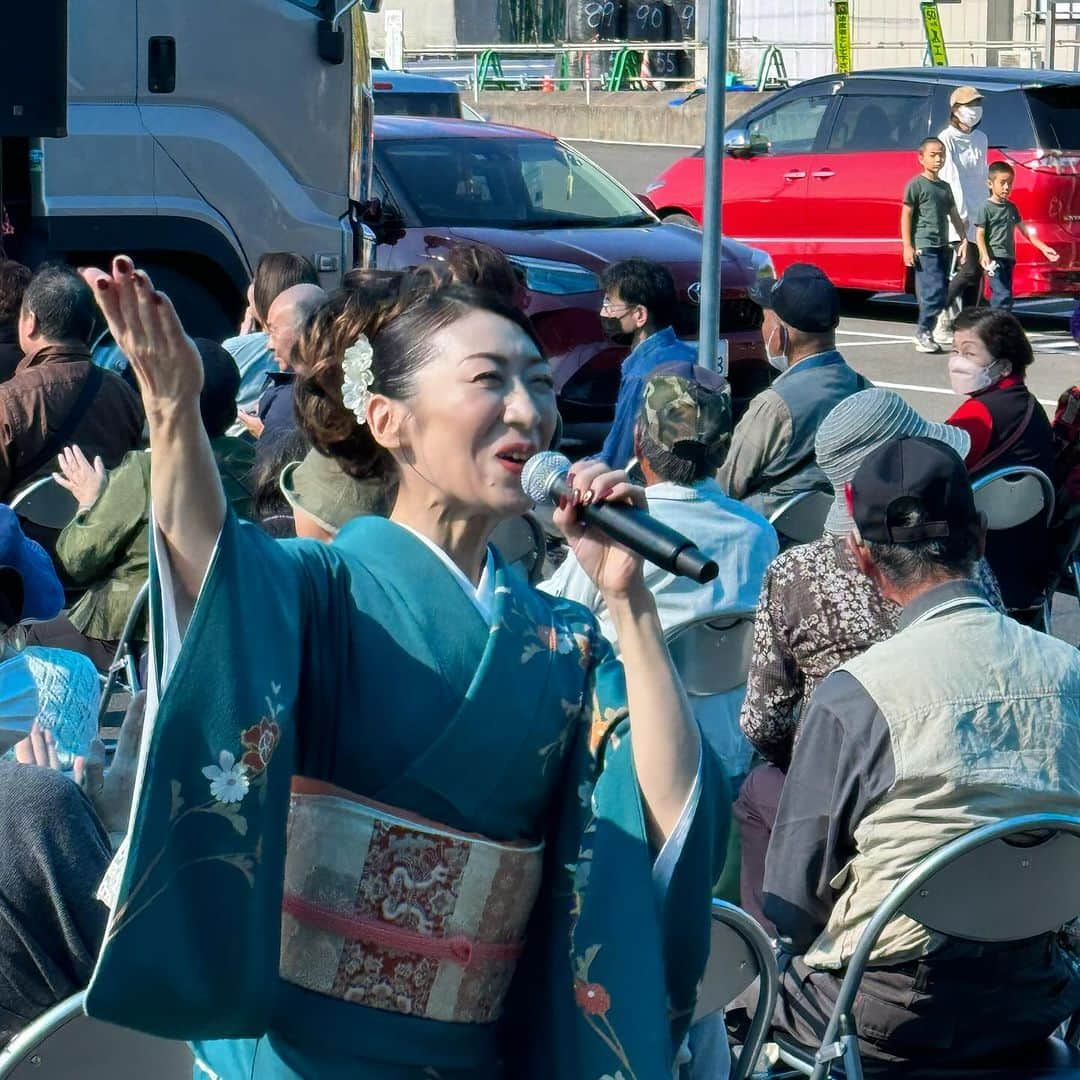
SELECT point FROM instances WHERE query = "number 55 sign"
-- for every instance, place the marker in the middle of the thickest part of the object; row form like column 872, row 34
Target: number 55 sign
column 842, row 35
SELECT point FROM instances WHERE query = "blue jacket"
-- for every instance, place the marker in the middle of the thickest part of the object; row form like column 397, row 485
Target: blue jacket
column 662, row 348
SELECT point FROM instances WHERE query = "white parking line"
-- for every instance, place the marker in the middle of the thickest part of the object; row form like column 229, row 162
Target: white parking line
column 936, row 390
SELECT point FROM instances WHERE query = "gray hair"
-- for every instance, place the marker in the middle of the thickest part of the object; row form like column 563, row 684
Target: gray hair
column 908, row 565
column 62, row 304
column 666, row 465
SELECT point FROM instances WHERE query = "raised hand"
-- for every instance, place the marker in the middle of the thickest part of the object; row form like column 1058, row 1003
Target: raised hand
column 83, row 480
column 613, row 569
column 144, row 324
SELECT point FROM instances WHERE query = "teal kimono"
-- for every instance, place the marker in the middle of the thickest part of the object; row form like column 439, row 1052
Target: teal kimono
column 363, row 664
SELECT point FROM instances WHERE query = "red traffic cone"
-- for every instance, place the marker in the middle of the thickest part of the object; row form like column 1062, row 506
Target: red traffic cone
column 548, row 85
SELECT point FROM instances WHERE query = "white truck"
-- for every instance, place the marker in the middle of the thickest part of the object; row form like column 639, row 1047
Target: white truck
column 200, row 134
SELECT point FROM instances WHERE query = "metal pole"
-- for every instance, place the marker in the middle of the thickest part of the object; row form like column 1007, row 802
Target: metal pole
column 711, row 254
column 1051, row 20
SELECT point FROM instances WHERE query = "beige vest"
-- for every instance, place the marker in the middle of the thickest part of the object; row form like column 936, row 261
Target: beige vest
column 984, row 720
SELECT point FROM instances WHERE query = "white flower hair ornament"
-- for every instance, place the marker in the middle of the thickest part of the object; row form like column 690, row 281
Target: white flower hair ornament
column 356, row 386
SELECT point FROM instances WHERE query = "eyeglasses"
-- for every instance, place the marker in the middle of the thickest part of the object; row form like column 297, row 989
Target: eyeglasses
column 608, row 308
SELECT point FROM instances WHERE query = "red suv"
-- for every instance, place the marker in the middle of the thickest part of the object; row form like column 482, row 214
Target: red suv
column 561, row 220
column 817, row 172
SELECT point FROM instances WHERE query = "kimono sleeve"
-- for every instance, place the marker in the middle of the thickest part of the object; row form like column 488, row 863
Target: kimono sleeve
column 641, row 939
column 191, row 949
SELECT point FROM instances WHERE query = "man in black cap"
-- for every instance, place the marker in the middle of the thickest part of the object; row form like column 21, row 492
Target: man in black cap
column 962, row 718
column 772, row 450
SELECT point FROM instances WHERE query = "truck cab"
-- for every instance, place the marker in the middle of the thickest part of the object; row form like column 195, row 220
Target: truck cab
column 200, row 135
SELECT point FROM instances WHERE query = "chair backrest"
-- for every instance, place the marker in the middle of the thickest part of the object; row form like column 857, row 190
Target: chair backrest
column 126, row 659
column 521, row 542
column 802, row 518
column 66, row 1043
column 1035, row 879
column 1007, row 881
column 1009, row 497
column 739, row 953
column 45, row 503
column 712, row 655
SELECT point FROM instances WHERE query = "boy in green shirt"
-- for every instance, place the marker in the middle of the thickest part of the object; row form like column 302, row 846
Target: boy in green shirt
column 996, row 222
column 924, row 230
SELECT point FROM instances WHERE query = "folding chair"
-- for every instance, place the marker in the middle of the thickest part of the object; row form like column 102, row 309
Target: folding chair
column 65, row 1043
column 739, row 953
column 801, row 520
column 1010, row 497
column 712, row 655
column 45, row 503
column 521, row 542
column 125, row 659
column 1008, row 881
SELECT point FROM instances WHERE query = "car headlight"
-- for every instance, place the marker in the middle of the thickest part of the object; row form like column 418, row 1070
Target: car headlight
column 656, row 185
column 556, row 278
column 762, row 265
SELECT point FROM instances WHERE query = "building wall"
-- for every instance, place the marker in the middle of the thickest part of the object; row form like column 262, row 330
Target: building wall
column 429, row 24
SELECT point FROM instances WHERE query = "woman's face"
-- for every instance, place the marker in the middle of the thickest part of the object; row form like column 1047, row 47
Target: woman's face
column 483, row 405
column 969, row 345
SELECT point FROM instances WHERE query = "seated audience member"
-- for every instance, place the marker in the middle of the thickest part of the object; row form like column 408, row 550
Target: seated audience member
column 275, row 272
column 42, row 595
column 682, row 433
column 1008, row 426
column 56, row 395
column 54, row 851
column 962, row 718
column 106, row 546
column 817, row 611
column 324, row 498
column 270, row 509
column 14, row 277
column 772, row 451
column 638, row 311
column 274, row 415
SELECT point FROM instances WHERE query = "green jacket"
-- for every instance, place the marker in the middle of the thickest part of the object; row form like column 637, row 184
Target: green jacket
column 107, row 548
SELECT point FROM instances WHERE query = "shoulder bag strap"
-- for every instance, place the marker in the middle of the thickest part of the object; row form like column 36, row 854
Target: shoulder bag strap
column 57, row 439
column 989, row 459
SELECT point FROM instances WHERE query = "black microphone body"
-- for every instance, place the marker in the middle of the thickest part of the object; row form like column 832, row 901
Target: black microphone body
column 636, row 529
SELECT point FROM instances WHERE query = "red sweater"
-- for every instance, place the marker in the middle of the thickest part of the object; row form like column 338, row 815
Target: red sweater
column 974, row 417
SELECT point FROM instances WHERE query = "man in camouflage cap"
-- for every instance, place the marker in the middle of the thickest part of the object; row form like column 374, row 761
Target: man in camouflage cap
column 686, row 413
column 681, row 435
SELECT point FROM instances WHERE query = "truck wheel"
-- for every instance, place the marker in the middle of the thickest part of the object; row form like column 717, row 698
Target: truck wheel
column 680, row 219
column 203, row 312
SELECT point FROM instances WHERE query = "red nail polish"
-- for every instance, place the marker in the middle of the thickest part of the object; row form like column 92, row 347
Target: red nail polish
column 157, row 299
column 102, row 283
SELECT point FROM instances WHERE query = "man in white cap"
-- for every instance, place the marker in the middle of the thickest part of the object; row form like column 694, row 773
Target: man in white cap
column 965, row 172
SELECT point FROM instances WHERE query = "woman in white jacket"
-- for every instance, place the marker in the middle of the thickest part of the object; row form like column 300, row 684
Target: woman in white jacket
column 965, row 172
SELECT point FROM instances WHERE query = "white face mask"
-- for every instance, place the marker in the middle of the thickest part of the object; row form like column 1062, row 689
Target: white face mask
column 967, row 377
column 779, row 359
column 969, row 115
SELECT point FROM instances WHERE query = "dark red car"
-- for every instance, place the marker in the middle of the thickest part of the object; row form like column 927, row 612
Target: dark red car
column 561, row 220
column 817, row 172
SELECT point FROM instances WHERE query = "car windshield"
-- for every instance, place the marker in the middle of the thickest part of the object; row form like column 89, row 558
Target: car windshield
column 401, row 103
column 505, row 183
column 1056, row 112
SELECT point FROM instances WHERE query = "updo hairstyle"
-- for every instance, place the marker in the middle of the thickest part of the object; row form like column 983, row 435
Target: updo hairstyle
column 401, row 320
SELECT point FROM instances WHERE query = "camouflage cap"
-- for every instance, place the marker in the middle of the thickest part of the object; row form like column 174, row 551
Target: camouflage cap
column 687, row 411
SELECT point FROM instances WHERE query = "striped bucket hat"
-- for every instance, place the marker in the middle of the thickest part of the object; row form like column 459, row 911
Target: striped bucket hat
column 857, row 427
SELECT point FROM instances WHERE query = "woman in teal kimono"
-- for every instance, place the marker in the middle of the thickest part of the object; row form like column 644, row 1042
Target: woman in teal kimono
column 400, row 815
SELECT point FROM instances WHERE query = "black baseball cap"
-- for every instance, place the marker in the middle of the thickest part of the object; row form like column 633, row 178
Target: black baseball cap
column 803, row 297
column 915, row 472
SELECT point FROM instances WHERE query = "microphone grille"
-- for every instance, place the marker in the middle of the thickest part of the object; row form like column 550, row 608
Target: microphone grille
column 539, row 473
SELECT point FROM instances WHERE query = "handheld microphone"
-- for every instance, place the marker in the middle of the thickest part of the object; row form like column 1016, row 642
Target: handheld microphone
column 544, row 480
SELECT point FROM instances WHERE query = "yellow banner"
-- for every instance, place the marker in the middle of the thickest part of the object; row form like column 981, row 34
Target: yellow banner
column 935, row 39
column 842, row 35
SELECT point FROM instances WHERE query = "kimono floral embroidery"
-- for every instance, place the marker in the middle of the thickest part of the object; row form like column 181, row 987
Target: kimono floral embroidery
column 594, row 1001
column 230, row 783
column 228, row 780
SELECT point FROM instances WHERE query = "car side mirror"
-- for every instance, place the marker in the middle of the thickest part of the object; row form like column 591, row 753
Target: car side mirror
column 739, row 143
column 371, row 212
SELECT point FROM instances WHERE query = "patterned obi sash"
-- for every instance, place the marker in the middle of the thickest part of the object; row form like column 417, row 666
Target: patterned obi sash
column 392, row 911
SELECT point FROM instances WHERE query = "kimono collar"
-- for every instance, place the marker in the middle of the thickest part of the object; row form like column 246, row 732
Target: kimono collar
column 482, row 595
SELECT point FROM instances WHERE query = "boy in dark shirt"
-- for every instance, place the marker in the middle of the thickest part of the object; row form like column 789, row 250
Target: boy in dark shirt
column 924, row 230
column 996, row 222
